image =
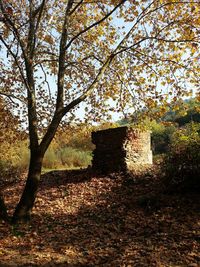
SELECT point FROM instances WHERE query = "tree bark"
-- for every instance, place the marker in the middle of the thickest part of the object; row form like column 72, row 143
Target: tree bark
column 25, row 205
column 3, row 210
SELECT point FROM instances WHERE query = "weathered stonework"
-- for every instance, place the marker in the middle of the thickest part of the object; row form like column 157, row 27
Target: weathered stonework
column 120, row 149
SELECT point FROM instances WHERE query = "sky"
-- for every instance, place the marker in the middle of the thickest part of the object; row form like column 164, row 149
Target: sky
column 80, row 112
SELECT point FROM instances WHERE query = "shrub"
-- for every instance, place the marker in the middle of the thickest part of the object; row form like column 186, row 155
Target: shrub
column 14, row 158
column 77, row 138
column 182, row 163
column 161, row 133
column 71, row 157
column 22, row 155
column 9, row 172
column 51, row 160
column 66, row 157
column 161, row 136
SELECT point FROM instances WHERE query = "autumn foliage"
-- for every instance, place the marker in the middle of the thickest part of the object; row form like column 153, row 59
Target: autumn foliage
column 109, row 55
column 182, row 163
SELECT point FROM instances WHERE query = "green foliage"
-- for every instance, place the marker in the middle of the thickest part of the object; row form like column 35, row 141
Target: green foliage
column 182, row 163
column 14, row 154
column 185, row 112
column 161, row 133
column 14, row 159
column 17, row 154
column 161, row 136
column 187, row 135
column 71, row 157
column 66, row 157
column 190, row 116
column 72, row 147
column 51, row 160
column 76, row 137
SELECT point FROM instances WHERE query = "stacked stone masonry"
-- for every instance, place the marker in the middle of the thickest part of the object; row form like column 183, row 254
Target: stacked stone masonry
column 122, row 148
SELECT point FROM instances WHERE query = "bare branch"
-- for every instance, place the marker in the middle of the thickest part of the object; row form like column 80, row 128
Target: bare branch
column 174, row 40
column 62, row 112
column 166, row 26
column 13, row 28
column 115, row 52
column 11, row 97
column 95, row 23
column 46, row 81
column 90, row 88
column 124, row 49
column 146, row 63
column 39, row 10
column 32, row 114
column 84, row 59
column 16, row 61
column 75, row 8
column 143, row 15
column 160, row 59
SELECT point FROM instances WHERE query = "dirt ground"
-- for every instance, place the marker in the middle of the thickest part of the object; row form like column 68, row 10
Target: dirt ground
column 83, row 219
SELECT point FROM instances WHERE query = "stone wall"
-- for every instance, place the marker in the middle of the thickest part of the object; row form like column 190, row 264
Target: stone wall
column 120, row 149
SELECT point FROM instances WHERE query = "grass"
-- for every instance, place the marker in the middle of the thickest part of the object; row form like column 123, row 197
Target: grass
column 16, row 158
column 67, row 157
column 46, row 170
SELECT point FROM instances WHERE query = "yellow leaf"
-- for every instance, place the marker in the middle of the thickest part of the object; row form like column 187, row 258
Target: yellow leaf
column 48, row 39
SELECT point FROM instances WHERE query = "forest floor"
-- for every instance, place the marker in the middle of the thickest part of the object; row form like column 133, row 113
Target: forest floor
column 83, row 219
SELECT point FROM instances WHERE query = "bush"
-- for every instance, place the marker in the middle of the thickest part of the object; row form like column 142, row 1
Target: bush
column 51, row 160
column 161, row 136
column 66, row 157
column 76, row 137
column 182, row 163
column 71, row 157
column 161, row 133
column 9, row 173
column 14, row 158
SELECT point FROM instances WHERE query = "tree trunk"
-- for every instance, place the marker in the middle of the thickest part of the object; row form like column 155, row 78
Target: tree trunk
column 26, row 203
column 3, row 210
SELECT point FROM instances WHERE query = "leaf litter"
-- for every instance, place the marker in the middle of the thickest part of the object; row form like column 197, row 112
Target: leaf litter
column 84, row 219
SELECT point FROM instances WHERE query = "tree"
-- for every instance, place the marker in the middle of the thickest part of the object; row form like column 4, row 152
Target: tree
column 79, row 46
column 3, row 210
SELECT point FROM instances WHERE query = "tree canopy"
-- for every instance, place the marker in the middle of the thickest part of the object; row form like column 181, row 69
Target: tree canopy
column 151, row 48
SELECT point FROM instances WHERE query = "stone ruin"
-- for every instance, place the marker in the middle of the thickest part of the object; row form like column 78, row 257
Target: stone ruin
column 121, row 149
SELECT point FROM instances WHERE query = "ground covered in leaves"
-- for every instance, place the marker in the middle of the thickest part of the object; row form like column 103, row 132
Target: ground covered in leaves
column 83, row 219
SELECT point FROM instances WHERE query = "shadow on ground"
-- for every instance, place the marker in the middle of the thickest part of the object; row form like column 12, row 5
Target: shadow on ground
column 108, row 221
